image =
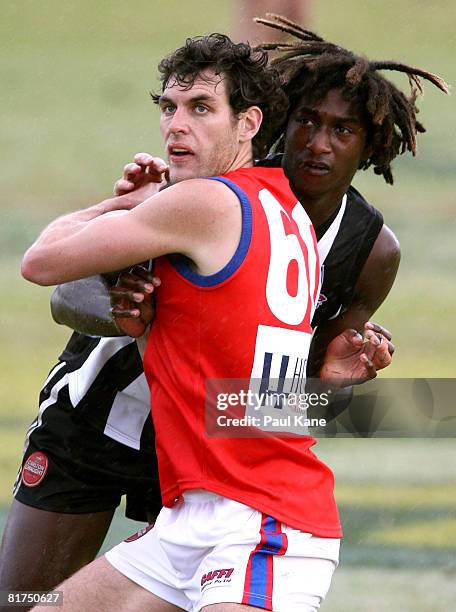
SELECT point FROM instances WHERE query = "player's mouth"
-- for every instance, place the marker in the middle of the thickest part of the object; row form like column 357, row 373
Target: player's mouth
column 179, row 153
column 315, row 168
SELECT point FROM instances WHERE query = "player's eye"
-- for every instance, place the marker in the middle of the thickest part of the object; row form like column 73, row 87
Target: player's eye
column 306, row 121
column 201, row 109
column 167, row 109
column 343, row 130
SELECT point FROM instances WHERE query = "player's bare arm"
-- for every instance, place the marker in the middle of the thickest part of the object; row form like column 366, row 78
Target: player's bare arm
column 352, row 328
column 373, row 285
column 189, row 218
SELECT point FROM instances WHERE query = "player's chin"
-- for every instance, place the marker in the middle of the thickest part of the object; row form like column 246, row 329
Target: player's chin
column 182, row 173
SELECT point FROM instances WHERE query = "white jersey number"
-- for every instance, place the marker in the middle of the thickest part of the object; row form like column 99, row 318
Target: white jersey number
column 285, row 248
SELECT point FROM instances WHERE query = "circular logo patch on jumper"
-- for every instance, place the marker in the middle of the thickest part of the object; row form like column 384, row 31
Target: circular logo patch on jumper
column 35, row 469
column 139, row 534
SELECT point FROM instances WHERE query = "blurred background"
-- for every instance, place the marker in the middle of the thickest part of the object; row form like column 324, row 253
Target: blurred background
column 75, row 108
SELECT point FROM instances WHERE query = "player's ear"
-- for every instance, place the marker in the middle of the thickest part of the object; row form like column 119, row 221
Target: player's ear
column 249, row 123
column 368, row 150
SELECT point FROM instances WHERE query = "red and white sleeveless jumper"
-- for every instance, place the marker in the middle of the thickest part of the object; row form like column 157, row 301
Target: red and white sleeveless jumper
column 250, row 318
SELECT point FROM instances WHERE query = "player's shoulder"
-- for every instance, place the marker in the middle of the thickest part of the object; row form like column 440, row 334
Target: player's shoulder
column 217, row 190
column 387, row 244
column 253, row 179
column 358, row 202
column 199, row 202
column 196, row 191
column 361, row 219
column 256, row 173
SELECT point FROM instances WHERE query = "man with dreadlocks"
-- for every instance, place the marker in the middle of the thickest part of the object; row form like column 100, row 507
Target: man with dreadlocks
column 343, row 115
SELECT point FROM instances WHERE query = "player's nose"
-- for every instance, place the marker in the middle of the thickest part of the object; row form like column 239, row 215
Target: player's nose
column 179, row 122
column 319, row 141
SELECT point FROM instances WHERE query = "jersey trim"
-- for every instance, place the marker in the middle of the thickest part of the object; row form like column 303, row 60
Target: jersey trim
column 81, row 379
column 327, row 240
column 128, row 414
column 235, row 262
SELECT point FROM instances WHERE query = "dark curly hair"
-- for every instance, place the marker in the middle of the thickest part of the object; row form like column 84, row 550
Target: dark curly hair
column 249, row 80
column 311, row 67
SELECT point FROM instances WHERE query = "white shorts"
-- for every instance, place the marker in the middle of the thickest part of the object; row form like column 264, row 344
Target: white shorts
column 210, row 549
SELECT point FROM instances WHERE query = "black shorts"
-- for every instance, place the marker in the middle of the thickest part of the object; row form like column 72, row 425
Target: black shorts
column 69, row 466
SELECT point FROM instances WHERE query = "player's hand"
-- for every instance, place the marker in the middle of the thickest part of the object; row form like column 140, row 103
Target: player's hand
column 351, row 359
column 146, row 174
column 132, row 304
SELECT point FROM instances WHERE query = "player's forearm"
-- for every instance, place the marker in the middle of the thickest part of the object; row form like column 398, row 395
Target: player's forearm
column 72, row 222
column 51, row 246
column 47, row 261
column 85, row 307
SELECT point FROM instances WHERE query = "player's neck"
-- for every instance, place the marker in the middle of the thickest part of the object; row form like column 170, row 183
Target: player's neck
column 243, row 158
column 321, row 207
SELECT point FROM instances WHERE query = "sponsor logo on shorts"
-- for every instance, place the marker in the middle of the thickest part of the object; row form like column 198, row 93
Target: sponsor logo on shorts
column 139, row 534
column 34, row 469
column 217, row 576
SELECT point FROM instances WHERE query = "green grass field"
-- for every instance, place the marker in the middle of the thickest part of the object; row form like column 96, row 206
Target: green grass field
column 75, row 83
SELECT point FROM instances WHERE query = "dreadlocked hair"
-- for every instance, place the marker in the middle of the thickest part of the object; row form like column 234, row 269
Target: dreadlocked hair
column 249, row 80
column 311, row 67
